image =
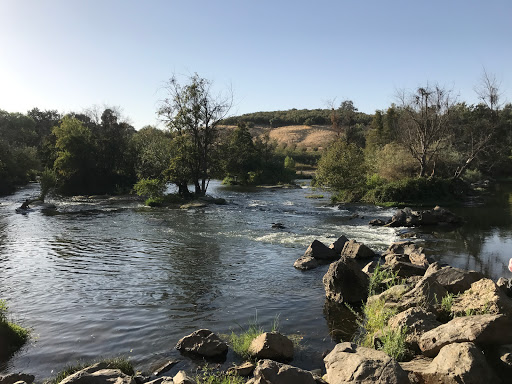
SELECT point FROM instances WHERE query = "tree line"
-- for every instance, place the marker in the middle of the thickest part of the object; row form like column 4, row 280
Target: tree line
column 99, row 152
column 427, row 146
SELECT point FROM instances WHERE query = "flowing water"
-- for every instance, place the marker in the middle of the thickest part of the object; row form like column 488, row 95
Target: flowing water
column 109, row 277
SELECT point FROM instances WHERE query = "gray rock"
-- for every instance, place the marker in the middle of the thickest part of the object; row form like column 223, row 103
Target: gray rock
column 355, row 250
column 483, row 297
column 348, row 363
column 165, row 367
column 481, row 329
column 459, row 363
column 339, row 244
column 406, row 269
column 244, row 369
column 182, row 378
column 454, row 280
column 320, row 251
column 345, row 282
column 305, row 263
column 417, row 320
column 272, row 345
column 160, row 380
column 370, row 267
column 426, row 294
column 272, row 372
column 93, row 375
column 15, row 377
column 203, row 342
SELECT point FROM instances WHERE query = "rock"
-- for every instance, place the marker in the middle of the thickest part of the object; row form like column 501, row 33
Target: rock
column 272, row 345
column 370, row 267
column 501, row 357
column 483, row 297
column 244, row 369
column 212, row 200
column 454, row 280
column 345, row 282
column 459, row 363
column 306, row 262
column 356, row 250
column 348, row 363
column 182, row 378
column 481, row 329
column 93, row 375
column 417, row 320
column 165, row 367
column 339, row 244
column 434, row 267
column 405, row 269
column 437, row 216
column 427, row 293
column 193, row 205
column 505, row 285
column 407, row 251
column 15, row 377
column 203, row 342
column 320, row 251
column 278, row 226
column 377, row 223
column 272, row 372
column 160, row 380
column 391, row 295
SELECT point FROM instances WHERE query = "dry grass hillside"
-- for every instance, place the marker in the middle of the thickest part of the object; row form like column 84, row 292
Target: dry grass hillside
column 303, row 136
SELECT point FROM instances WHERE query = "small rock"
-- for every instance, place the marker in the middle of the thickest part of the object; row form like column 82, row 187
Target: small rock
column 306, row 263
column 244, row 369
column 182, row 378
column 269, row 371
column 377, row 222
column 272, row 345
column 203, row 342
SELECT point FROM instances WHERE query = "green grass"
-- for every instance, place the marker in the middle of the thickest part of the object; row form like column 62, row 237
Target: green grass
column 211, row 376
column 241, row 341
column 12, row 335
column 393, row 343
column 121, row 363
column 314, row 196
column 380, row 275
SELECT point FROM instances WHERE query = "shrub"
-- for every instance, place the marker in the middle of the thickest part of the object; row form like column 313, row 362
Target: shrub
column 151, row 188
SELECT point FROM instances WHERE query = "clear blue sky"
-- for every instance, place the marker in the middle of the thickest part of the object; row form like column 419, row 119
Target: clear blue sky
column 69, row 54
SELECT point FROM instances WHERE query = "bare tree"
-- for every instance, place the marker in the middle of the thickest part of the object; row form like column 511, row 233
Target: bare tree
column 424, row 123
column 193, row 113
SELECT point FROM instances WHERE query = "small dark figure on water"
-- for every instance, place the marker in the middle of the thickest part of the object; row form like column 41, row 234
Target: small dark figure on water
column 25, row 204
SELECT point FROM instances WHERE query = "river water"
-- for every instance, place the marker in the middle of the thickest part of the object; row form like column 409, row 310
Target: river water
column 109, row 277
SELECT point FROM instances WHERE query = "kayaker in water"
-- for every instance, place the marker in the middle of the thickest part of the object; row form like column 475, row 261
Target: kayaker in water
column 25, row 204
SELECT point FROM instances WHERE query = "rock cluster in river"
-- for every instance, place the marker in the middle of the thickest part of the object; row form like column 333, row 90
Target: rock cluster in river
column 407, row 217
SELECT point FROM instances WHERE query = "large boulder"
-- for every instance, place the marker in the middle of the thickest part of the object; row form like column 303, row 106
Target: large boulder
column 459, row 363
column 15, row 377
column 98, row 374
column 203, row 342
column 427, row 293
column 344, row 282
column 353, row 249
column 417, row 320
column 480, row 329
column 339, row 244
column 320, row 251
column 272, row 345
column 272, row 372
column 454, row 280
column 348, row 363
column 484, row 296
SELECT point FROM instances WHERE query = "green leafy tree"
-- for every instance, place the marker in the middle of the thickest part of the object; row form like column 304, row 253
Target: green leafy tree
column 153, row 152
column 239, row 155
column 193, row 112
column 342, row 166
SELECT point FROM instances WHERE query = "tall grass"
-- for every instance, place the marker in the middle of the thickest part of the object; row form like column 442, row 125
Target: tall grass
column 210, row 376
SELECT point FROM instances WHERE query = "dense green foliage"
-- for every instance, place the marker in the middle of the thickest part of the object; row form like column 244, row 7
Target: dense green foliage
column 12, row 335
column 294, row 116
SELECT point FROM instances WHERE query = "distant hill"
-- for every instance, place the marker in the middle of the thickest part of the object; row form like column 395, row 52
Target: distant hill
column 305, row 128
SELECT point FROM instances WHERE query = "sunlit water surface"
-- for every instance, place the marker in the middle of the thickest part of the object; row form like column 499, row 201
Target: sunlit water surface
column 107, row 277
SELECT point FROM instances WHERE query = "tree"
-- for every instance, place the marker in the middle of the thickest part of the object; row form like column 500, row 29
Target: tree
column 342, row 166
column 191, row 111
column 153, row 152
column 239, row 155
column 424, row 123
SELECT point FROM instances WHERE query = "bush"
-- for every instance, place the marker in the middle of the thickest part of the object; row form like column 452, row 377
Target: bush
column 151, row 188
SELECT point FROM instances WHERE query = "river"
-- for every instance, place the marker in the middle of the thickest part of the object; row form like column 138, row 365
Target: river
column 109, row 277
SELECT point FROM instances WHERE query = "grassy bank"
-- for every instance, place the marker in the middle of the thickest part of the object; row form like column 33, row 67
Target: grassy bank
column 12, row 335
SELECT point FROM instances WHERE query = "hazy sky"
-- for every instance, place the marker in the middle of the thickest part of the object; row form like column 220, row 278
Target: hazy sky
column 70, row 54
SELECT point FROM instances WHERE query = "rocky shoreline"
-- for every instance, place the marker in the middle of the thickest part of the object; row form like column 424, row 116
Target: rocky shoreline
column 457, row 326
